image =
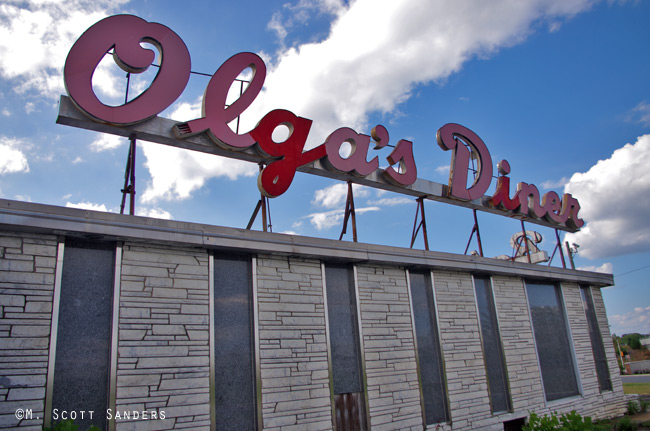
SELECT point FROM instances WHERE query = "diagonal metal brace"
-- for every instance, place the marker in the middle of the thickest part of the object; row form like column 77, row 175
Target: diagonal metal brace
column 349, row 211
column 419, row 210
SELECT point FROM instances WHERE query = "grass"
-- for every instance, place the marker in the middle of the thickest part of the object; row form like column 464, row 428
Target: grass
column 636, row 388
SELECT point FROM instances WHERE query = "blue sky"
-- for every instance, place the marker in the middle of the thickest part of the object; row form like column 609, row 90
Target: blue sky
column 559, row 88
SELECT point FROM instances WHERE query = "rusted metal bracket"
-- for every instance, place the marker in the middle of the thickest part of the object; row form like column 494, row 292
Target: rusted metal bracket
column 478, row 236
column 419, row 211
column 265, row 206
column 349, row 211
column 129, row 177
column 558, row 246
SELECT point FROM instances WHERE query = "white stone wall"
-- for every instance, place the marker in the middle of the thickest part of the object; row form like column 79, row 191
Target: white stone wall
column 293, row 345
column 27, row 268
column 164, row 344
column 389, row 349
column 163, row 354
column 518, row 344
column 462, row 351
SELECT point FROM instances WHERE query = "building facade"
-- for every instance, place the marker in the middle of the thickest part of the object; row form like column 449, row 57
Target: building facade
column 133, row 323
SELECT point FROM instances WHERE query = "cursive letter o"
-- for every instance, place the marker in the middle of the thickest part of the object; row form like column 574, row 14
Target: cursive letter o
column 124, row 33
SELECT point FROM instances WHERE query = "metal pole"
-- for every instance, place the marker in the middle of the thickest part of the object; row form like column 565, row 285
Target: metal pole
column 568, row 250
column 424, row 224
column 525, row 239
column 349, row 210
column 254, row 216
column 559, row 245
column 126, row 180
column 478, row 235
column 132, row 188
column 354, row 216
column 469, row 241
column 263, row 201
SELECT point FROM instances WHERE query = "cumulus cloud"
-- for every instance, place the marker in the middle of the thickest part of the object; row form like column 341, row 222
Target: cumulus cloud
column 335, row 195
column 176, row 172
column 153, row 213
column 87, row 206
column 107, row 142
column 12, row 159
column 35, row 37
column 613, row 198
column 636, row 320
column 328, row 219
column 378, row 51
column 605, row 268
column 550, row 184
column 299, row 14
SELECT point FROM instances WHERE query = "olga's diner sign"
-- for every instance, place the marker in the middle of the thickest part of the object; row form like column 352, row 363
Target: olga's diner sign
column 212, row 134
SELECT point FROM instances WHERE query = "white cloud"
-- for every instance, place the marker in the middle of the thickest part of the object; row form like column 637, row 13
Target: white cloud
column 12, row 159
column 377, row 51
column 613, row 198
column 636, row 320
column 392, row 201
column 335, row 195
column 443, row 170
column 605, row 268
column 329, row 219
column 35, row 37
column 186, row 111
column 153, row 213
column 550, row 184
column 640, row 114
column 87, row 206
column 176, row 172
column 6, row 112
column 23, row 198
column 107, row 142
column 299, row 14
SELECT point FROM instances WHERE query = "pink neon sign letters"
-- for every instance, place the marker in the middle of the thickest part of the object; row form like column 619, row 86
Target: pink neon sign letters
column 124, row 33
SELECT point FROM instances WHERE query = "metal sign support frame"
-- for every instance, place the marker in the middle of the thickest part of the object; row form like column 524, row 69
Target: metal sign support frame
column 478, row 236
column 129, row 178
column 349, row 211
column 419, row 210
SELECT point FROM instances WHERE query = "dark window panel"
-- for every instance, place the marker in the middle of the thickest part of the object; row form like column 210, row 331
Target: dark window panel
column 429, row 353
column 82, row 364
column 492, row 348
column 552, row 340
column 235, row 392
column 600, row 357
column 343, row 328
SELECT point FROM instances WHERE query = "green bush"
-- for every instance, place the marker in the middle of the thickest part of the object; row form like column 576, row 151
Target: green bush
column 625, row 424
column 644, row 405
column 566, row 422
column 633, row 407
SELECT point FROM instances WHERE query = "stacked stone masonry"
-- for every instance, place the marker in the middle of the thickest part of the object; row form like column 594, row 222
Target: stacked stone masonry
column 163, row 353
column 389, row 349
column 27, row 270
column 164, row 343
